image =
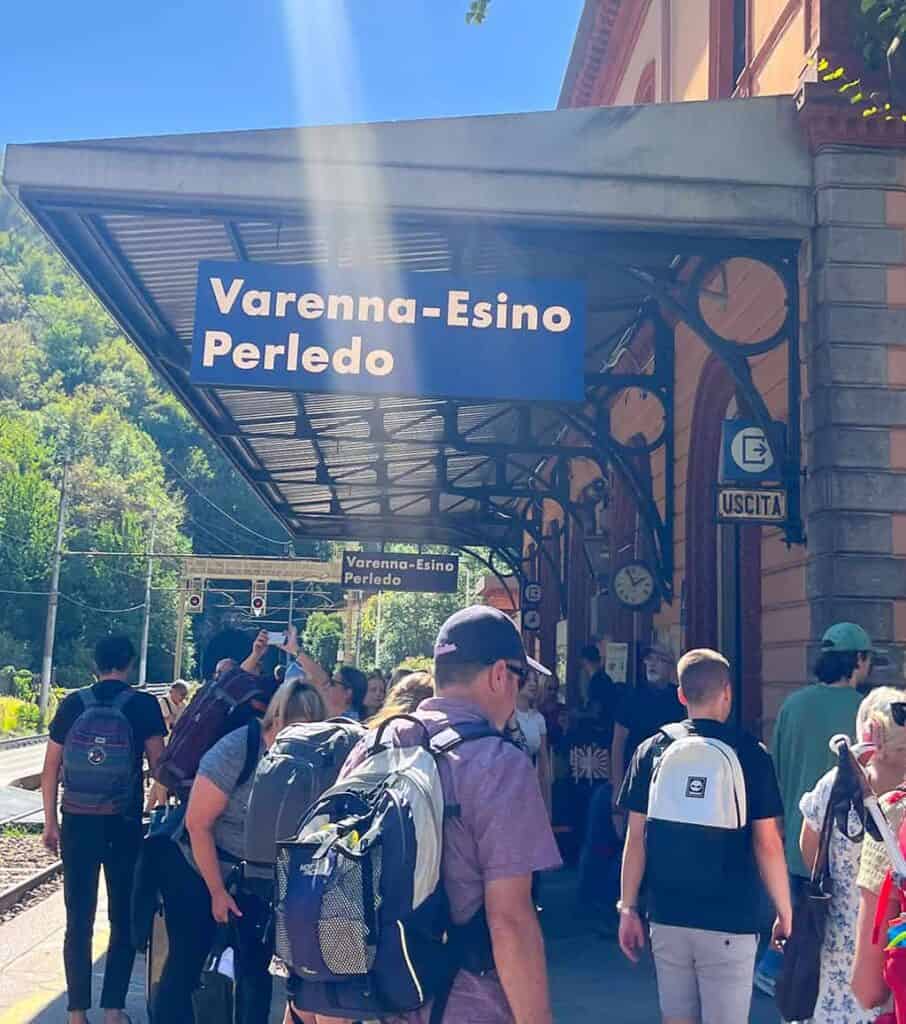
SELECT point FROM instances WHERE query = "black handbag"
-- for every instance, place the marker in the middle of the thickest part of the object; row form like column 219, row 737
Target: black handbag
column 213, row 1002
column 796, row 991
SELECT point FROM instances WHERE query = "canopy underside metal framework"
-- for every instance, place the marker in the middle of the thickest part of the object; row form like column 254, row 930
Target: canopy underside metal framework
column 433, row 471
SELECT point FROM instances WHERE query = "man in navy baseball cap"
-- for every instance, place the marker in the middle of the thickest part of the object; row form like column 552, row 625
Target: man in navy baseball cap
column 481, row 635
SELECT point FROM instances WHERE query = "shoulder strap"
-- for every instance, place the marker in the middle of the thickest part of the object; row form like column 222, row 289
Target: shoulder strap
column 166, row 701
column 822, row 860
column 89, row 700
column 252, row 747
column 122, row 699
column 453, row 736
column 450, row 738
column 674, row 731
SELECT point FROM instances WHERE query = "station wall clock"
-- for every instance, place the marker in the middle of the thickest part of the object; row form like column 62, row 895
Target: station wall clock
column 634, row 585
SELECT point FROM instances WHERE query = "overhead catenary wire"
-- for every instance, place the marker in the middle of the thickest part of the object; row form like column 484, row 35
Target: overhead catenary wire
column 270, row 540
column 72, row 600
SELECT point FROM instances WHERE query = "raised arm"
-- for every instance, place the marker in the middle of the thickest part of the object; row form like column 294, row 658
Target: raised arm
column 310, row 667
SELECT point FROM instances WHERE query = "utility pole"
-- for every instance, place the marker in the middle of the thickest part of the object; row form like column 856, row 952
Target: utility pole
column 377, row 630
column 180, row 629
column 146, row 618
column 50, row 625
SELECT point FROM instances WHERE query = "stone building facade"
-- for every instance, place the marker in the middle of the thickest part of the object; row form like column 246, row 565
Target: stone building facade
column 852, row 294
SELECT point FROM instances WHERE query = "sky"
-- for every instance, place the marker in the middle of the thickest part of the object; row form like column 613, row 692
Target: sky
column 108, row 68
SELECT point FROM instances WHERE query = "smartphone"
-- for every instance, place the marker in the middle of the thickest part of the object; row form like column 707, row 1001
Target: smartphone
column 276, row 639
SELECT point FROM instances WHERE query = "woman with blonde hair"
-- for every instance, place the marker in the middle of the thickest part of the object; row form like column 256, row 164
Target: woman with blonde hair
column 404, row 696
column 196, row 873
column 886, row 740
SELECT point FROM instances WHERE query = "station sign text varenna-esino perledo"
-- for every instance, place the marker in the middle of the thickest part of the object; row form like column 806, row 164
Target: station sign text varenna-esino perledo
column 437, row 574
column 375, row 332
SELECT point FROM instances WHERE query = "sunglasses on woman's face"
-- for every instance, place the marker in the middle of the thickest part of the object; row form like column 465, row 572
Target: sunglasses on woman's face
column 898, row 712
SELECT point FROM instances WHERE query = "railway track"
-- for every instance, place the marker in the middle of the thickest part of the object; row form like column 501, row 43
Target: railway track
column 23, row 741
column 18, row 892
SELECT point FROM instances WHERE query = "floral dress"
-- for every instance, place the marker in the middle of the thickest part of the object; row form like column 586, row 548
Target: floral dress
column 836, row 1003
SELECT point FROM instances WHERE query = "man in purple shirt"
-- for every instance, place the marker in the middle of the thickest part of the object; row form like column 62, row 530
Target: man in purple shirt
column 502, row 833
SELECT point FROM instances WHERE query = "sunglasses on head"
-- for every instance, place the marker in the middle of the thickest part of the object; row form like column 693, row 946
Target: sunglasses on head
column 898, row 712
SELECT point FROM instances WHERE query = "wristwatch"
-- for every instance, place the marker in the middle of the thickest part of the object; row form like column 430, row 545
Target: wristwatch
column 625, row 908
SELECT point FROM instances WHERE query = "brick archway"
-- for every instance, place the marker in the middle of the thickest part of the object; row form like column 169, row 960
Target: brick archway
column 714, row 393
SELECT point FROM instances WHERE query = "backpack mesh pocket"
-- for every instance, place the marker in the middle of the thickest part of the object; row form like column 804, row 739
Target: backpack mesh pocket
column 283, row 867
column 347, row 927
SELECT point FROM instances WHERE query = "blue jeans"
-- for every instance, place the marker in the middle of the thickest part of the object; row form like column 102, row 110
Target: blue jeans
column 599, row 859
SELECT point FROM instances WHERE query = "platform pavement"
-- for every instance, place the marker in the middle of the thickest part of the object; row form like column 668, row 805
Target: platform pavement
column 590, row 980
column 21, row 762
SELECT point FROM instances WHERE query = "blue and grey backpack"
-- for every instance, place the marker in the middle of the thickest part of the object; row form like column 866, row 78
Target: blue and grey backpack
column 99, row 758
column 362, row 920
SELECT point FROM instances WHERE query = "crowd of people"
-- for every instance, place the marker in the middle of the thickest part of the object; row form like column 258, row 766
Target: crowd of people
column 682, row 826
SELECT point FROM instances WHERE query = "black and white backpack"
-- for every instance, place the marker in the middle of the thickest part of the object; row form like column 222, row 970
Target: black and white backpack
column 361, row 914
column 697, row 810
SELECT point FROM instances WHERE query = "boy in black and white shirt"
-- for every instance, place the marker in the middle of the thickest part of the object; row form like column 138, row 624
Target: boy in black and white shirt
column 703, row 805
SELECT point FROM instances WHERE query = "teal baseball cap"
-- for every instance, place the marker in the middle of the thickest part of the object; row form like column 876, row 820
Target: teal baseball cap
column 847, row 636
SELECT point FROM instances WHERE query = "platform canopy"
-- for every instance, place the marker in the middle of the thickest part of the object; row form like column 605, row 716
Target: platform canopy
column 630, row 200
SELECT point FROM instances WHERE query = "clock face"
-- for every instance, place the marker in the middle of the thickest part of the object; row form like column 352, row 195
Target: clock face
column 634, row 585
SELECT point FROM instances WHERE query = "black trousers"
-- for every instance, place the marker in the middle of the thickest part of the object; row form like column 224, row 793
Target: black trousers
column 88, row 841
column 190, row 932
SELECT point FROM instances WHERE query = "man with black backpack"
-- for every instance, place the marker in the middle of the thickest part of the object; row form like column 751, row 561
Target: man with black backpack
column 97, row 740
column 433, row 810
column 703, row 805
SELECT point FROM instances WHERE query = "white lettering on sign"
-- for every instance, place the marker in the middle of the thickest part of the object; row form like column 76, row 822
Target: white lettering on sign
column 247, row 355
column 461, row 310
column 371, row 579
column 769, row 506
column 422, row 563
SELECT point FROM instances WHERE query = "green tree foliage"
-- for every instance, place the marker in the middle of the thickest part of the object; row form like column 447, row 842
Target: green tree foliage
column 322, row 637
column 73, row 389
column 409, row 622
column 477, row 12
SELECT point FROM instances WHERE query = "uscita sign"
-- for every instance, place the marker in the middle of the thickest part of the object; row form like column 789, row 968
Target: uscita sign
column 371, row 332
column 755, row 505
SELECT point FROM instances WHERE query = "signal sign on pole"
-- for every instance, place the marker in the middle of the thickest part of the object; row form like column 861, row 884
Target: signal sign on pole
column 195, row 596
column 259, row 598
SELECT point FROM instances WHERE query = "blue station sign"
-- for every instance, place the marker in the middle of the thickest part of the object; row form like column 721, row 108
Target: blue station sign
column 375, row 332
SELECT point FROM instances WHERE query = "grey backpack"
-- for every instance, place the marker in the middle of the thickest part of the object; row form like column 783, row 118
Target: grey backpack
column 304, row 760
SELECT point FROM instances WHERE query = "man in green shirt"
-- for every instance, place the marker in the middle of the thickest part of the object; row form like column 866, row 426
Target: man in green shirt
column 810, row 717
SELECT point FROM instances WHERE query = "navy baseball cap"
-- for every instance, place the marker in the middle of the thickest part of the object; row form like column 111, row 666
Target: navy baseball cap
column 481, row 635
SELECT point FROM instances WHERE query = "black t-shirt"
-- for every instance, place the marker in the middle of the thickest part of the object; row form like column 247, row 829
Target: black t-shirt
column 142, row 711
column 644, row 709
column 730, row 903
column 602, row 702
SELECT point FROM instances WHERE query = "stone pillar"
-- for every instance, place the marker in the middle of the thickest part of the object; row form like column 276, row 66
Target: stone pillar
column 855, row 415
